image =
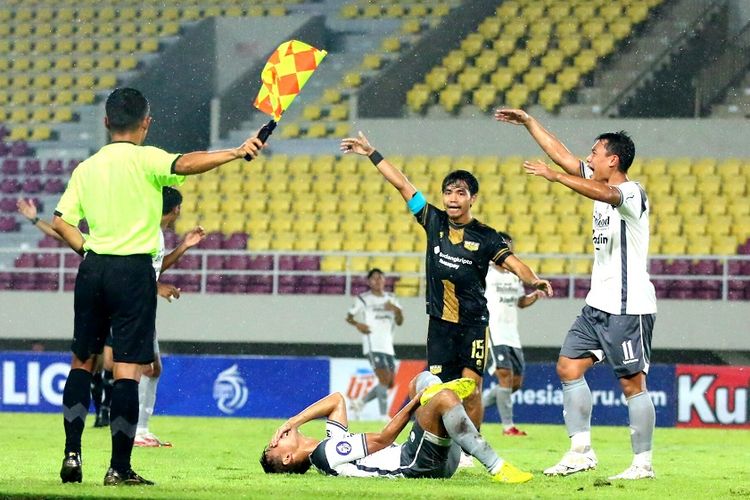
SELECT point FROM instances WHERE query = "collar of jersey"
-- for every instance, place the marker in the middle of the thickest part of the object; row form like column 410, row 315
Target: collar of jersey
column 460, row 226
column 123, row 142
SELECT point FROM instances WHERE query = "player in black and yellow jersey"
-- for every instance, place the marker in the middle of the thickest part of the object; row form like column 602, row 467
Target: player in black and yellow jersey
column 459, row 250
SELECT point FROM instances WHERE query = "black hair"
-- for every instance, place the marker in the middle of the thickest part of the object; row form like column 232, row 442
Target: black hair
column 505, row 237
column 125, row 109
column 373, row 271
column 276, row 466
column 461, row 176
column 620, row 144
column 171, row 198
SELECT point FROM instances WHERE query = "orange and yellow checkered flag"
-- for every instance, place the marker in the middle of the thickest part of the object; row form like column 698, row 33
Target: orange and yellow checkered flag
column 284, row 75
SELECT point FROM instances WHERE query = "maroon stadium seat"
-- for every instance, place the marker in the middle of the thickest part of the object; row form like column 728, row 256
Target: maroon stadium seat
column 72, row 260
column 10, row 186
column 9, row 166
column 8, row 225
column 307, row 263
column 261, row 262
column 32, row 166
column 8, row 205
column 20, row 148
column 705, row 267
column 286, row 262
column 32, row 185
column 48, row 260
column 54, row 186
column 54, row 167
column 235, row 241
column 189, row 262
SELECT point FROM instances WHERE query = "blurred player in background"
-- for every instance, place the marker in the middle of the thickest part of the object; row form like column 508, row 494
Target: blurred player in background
column 618, row 319
column 441, row 429
column 118, row 191
column 459, row 251
column 505, row 295
column 380, row 313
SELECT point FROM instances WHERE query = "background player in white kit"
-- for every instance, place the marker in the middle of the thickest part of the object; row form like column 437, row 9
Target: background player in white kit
column 620, row 311
column 505, row 295
column 380, row 313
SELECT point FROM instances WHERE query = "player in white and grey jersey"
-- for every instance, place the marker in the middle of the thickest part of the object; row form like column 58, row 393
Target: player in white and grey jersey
column 505, row 296
column 620, row 311
column 441, row 429
column 380, row 313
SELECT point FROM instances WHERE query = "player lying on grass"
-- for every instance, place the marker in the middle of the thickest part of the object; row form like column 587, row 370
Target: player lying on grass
column 440, row 431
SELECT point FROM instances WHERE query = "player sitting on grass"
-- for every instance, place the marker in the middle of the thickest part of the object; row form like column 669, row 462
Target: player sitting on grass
column 440, row 422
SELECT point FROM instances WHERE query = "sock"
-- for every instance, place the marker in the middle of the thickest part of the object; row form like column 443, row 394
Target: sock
column 146, row 401
column 123, row 415
column 577, row 413
column 462, row 431
column 371, row 395
column 96, row 390
column 425, row 380
column 76, row 401
column 504, row 403
column 108, row 381
column 642, row 417
column 489, row 397
column 382, row 399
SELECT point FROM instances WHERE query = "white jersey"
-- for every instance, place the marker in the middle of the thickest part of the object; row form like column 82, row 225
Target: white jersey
column 345, row 454
column 502, row 293
column 620, row 283
column 381, row 321
column 159, row 257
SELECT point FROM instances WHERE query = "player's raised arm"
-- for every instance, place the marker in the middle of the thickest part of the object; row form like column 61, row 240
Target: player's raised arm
column 596, row 190
column 525, row 274
column 551, row 145
column 361, row 146
column 192, row 238
column 27, row 208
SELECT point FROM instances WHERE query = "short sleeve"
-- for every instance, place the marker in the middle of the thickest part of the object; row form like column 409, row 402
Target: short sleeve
column 159, row 164
column 394, row 301
column 357, row 306
column 428, row 216
column 632, row 200
column 336, row 451
column 336, row 429
column 586, row 171
column 498, row 249
column 69, row 207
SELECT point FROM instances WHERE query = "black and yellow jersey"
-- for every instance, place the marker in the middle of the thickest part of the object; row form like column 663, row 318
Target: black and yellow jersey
column 457, row 260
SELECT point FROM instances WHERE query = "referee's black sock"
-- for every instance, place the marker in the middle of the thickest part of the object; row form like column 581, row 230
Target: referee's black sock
column 76, row 401
column 123, row 415
column 96, row 390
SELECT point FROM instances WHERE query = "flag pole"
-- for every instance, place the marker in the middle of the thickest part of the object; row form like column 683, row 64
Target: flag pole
column 263, row 134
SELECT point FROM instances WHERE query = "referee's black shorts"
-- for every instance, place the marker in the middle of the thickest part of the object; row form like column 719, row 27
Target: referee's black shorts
column 116, row 292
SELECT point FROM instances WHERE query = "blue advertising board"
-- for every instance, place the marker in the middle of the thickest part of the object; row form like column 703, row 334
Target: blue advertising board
column 540, row 400
column 241, row 386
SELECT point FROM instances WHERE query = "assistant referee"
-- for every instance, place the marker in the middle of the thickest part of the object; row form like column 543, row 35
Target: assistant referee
column 118, row 191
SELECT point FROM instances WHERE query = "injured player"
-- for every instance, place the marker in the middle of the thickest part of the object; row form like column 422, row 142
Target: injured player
column 440, row 431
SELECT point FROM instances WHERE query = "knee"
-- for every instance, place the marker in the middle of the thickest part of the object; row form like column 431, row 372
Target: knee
column 567, row 371
column 156, row 371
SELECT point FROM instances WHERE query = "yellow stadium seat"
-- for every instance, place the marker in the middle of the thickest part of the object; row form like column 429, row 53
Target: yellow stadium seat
column 517, row 96
column 535, row 78
column 472, row 44
column 585, row 61
column 333, row 263
column 552, row 267
column 620, row 28
column 741, row 226
column 40, row 133
column 568, row 27
column 568, row 78
column 454, row 61
column 411, row 26
column 233, row 224
column 338, row 112
column 519, row 61
column 469, row 78
column 486, row 62
column 552, row 61
column 43, row 114
column 407, row 264
column 603, row 44
column 579, row 267
column 407, row 287
column 355, row 242
column 738, row 208
column 570, row 45
column 734, row 188
column 391, row 44
column 537, row 46
column 502, row 78
column 305, row 223
column 558, row 11
column 259, row 242
column 490, row 28
column 724, row 246
column 317, row 130
column 684, row 186
column 372, row 61
column 383, row 263
column 330, row 243
column 352, row 224
column 504, row 45
column 573, row 245
column 417, row 97
column 550, row 96
column 450, row 97
column 676, row 245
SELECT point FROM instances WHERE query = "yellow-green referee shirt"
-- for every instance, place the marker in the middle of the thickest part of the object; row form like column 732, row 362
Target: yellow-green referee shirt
column 118, row 192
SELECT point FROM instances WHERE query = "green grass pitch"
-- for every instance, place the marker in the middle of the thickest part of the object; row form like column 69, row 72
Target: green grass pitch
column 218, row 458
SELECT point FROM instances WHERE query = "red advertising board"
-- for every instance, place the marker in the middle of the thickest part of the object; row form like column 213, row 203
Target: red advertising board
column 713, row 396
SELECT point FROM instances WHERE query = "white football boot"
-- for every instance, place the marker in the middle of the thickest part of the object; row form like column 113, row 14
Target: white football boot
column 636, row 472
column 572, row 462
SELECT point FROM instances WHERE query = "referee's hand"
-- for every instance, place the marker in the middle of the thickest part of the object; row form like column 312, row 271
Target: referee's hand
column 251, row 147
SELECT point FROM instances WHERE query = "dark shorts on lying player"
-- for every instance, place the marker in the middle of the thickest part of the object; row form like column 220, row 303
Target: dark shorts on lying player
column 423, row 455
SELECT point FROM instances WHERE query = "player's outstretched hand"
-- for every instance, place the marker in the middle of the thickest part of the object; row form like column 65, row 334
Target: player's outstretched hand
column 194, row 236
column 285, row 427
column 359, row 145
column 514, row 116
column 543, row 286
column 538, row 167
column 27, row 208
column 251, row 147
column 167, row 291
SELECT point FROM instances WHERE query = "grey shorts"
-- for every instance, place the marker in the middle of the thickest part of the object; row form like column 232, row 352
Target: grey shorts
column 382, row 360
column 508, row 358
column 623, row 339
column 427, row 455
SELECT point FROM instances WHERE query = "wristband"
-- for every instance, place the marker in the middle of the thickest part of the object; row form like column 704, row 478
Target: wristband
column 375, row 157
column 34, row 221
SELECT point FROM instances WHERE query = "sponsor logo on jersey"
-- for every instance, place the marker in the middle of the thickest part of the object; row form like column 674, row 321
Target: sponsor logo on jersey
column 230, row 390
column 471, row 246
column 436, row 250
column 436, row 369
column 343, row 448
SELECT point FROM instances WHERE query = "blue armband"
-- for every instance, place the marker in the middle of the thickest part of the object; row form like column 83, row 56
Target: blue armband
column 416, row 203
